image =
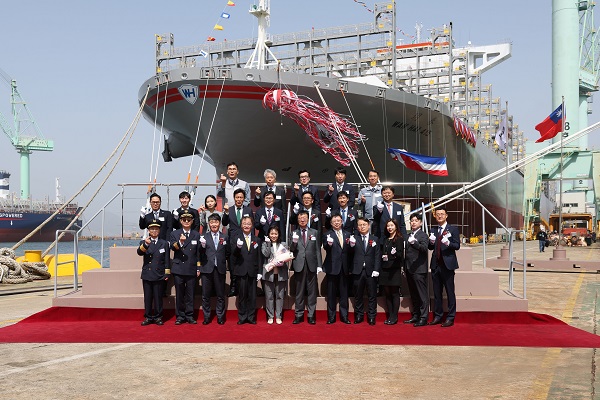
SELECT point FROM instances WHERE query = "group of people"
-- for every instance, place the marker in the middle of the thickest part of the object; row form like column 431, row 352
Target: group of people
column 364, row 251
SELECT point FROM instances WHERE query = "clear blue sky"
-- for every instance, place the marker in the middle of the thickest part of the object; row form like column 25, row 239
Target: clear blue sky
column 80, row 64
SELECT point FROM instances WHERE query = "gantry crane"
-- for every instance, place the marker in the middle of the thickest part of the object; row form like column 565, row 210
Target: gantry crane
column 23, row 133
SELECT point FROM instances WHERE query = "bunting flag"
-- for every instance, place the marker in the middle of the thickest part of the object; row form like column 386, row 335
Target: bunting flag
column 218, row 27
column 429, row 165
column 230, row 3
column 225, row 15
column 210, row 39
column 203, row 53
column 462, row 129
column 550, row 127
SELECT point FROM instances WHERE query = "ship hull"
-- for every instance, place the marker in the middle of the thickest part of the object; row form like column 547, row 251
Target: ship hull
column 238, row 128
column 14, row 226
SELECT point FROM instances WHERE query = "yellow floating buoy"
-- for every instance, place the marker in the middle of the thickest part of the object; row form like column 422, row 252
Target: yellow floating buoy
column 85, row 262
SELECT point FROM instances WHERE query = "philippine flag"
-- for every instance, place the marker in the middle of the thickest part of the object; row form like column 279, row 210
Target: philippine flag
column 550, row 127
column 418, row 162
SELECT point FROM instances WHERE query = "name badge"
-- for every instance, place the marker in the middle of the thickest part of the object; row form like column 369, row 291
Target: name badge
column 194, row 242
column 313, row 238
column 245, row 215
column 161, row 218
column 398, row 212
column 161, row 250
column 224, row 242
column 347, row 191
column 256, row 245
column 278, row 197
column 367, row 194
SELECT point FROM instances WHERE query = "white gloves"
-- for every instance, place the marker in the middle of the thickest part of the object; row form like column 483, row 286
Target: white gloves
column 203, row 242
column 445, row 241
column 267, row 240
column 411, row 239
column 380, row 206
column 239, row 243
column 175, row 214
column 431, row 238
column 393, row 251
column 143, row 211
column 329, row 240
column 296, row 208
column 319, row 270
column 258, row 277
column 263, row 220
column 352, row 241
column 375, row 274
column 295, row 237
column 328, row 212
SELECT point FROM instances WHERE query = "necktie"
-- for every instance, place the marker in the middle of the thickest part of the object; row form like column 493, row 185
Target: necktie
column 156, row 215
column 216, row 240
column 390, row 209
column 340, row 238
column 438, row 245
column 344, row 216
column 233, row 183
column 269, row 215
column 238, row 213
column 304, row 236
column 304, row 189
column 365, row 241
column 153, row 241
column 187, row 234
column 248, row 242
column 340, row 187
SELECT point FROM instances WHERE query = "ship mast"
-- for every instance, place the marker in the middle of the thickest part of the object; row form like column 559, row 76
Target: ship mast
column 258, row 60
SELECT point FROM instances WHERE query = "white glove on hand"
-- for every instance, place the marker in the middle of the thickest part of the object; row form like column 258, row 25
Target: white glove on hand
column 319, row 270
column 352, row 241
column 258, row 277
column 380, row 206
column 263, row 220
column 445, row 241
column 432, row 238
column 175, row 214
column 296, row 208
column 143, row 211
column 375, row 274
column 411, row 239
column 239, row 243
column 203, row 242
column 328, row 212
column 267, row 240
column 329, row 240
column 295, row 237
column 393, row 251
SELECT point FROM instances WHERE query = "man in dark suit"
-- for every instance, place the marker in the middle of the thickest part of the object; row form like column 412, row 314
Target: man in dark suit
column 339, row 186
column 335, row 243
column 184, row 199
column 156, row 268
column 236, row 213
column 268, row 216
column 306, row 248
column 385, row 210
column 314, row 214
column 246, row 258
column 214, row 254
column 444, row 241
column 303, row 187
column 416, row 272
column 366, row 264
column 278, row 191
column 155, row 213
column 349, row 216
column 185, row 268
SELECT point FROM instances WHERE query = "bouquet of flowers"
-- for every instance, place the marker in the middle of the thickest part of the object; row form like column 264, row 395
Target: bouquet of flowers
column 279, row 257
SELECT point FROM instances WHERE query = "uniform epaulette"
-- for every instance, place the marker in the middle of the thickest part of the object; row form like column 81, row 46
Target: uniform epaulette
column 143, row 247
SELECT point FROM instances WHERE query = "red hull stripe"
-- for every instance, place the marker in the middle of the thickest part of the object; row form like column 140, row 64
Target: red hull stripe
column 212, row 91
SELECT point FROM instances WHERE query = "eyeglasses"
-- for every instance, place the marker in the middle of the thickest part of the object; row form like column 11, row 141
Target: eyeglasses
column 155, row 202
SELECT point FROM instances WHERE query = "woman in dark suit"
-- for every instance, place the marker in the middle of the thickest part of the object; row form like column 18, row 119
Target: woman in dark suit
column 390, row 276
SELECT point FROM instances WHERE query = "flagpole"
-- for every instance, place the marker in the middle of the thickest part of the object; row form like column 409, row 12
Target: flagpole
column 506, row 174
column 562, row 134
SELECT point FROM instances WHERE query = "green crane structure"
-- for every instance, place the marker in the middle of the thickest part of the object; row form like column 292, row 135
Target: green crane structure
column 23, row 132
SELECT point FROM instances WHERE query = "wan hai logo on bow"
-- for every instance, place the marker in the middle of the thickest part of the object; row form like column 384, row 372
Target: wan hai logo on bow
column 189, row 93
column 419, row 162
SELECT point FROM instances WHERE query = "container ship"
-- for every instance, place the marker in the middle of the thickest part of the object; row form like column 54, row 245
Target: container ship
column 19, row 217
column 426, row 97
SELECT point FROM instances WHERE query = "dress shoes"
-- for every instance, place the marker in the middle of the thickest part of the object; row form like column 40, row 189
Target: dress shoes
column 240, row 322
column 330, row 321
column 312, row 320
column 159, row 321
column 206, row 322
column 436, row 321
column 344, row 320
column 358, row 320
column 421, row 322
column 371, row 321
column 251, row 321
column 192, row 321
column 388, row 322
column 298, row 320
column 179, row 321
column 147, row 321
column 447, row 323
column 221, row 321
column 412, row 320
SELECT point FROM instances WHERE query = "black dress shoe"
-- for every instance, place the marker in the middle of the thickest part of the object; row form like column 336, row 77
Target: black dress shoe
column 371, row 321
column 147, row 321
column 391, row 322
column 179, row 321
column 447, row 323
column 330, row 321
column 252, row 321
column 221, row 321
column 436, row 321
column 344, row 320
column 240, row 322
column 298, row 320
column 192, row 321
column 421, row 322
column 159, row 321
column 312, row 320
column 412, row 320
column 206, row 322
column 358, row 320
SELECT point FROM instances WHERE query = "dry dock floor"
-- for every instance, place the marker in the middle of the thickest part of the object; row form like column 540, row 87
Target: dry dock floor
column 185, row 371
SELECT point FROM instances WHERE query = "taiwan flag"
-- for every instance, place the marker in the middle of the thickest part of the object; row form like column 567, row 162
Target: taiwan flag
column 418, row 162
column 550, row 127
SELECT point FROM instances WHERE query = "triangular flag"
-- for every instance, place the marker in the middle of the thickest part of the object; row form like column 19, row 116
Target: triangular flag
column 230, row 3
column 218, row 28
column 225, row 15
column 210, row 39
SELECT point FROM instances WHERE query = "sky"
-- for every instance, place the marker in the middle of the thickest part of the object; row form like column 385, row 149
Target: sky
column 79, row 65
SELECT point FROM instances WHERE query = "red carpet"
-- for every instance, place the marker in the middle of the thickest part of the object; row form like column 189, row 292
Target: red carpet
column 84, row 325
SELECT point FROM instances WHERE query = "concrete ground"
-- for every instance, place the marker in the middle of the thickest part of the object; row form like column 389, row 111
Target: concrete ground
column 107, row 371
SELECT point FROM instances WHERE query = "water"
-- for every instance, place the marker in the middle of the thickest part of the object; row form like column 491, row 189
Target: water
column 88, row 247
